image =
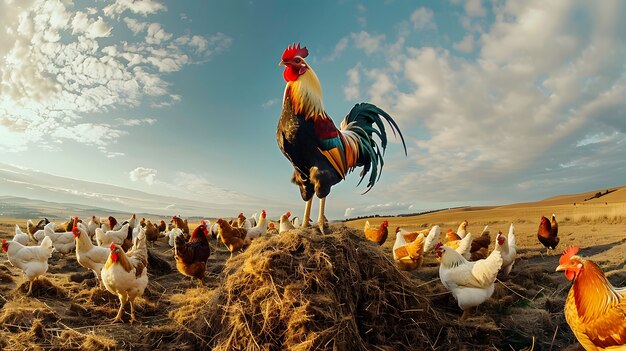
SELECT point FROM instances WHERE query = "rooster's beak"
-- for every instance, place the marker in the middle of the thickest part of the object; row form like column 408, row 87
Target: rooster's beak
column 281, row 63
column 560, row 268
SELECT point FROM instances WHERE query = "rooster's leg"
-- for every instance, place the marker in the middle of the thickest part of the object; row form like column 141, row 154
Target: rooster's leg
column 307, row 213
column 321, row 219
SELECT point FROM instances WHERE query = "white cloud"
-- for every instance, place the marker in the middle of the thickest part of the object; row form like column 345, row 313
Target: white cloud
column 340, row 47
column 147, row 175
column 422, row 18
column 541, row 85
column 270, row 103
column 367, row 42
column 351, row 90
column 475, row 8
column 47, row 83
column 132, row 122
column 466, row 44
column 142, row 7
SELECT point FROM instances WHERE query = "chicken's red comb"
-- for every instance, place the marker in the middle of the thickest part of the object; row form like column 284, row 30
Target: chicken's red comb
column 203, row 222
column 112, row 247
column 439, row 245
column 4, row 241
column 568, row 253
column 75, row 223
column 240, row 214
column 397, row 229
column 295, row 50
column 288, row 214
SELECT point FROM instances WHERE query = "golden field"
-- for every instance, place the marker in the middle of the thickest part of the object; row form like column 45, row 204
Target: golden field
column 68, row 311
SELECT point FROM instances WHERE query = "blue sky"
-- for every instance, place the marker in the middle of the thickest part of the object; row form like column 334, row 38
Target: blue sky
column 499, row 101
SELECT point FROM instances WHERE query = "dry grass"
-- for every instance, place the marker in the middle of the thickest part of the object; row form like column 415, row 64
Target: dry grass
column 305, row 291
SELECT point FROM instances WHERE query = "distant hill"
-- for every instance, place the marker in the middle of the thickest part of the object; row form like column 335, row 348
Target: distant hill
column 19, row 207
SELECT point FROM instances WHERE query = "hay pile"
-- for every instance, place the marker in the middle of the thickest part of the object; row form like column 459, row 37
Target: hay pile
column 306, row 291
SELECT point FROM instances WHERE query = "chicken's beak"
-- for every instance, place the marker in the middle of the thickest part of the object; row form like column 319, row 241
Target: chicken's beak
column 281, row 63
column 560, row 268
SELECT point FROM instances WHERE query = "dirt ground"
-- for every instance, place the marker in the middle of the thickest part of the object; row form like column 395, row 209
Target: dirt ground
column 68, row 311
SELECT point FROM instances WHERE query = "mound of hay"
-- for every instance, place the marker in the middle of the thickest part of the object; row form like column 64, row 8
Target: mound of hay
column 306, row 291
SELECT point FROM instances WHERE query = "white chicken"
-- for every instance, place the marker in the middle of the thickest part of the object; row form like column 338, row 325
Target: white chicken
column 32, row 260
column 471, row 283
column 125, row 273
column 508, row 249
column 172, row 234
column 112, row 236
column 94, row 223
column 260, row 229
column 87, row 254
column 285, row 224
column 20, row 236
column 462, row 230
column 63, row 242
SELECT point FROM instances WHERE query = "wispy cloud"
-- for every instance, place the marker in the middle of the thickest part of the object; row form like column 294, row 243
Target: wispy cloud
column 48, row 83
column 534, row 92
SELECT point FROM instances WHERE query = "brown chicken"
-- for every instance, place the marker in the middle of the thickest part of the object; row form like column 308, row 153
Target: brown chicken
column 152, row 232
column 191, row 256
column 128, row 241
column 240, row 219
column 162, row 227
column 181, row 224
column 377, row 235
column 480, row 246
column 548, row 233
column 233, row 238
column 594, row 309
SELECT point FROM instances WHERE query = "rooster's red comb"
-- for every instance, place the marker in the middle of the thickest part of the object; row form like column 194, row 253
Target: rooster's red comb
column 294, row 50
column 112, row 247
column 568, row 253
column 439, row 245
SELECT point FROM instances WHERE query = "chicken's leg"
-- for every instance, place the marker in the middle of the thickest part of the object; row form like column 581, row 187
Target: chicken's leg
column 307, row 213
column 123, row 299
column 30, row 288
column 321, row 219
column 132, row 312
column 465, row 315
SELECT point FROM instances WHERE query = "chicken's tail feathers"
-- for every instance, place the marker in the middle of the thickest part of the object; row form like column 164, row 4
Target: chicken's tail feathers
column 358, row 128
column 46, row 244
column 140, row 250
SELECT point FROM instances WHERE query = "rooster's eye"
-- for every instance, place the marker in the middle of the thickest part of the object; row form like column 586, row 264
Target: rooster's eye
column 297, row 60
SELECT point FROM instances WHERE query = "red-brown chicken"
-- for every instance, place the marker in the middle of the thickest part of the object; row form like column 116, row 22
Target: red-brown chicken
column 191, row 256
column 548, row 233
column 377, row 235
column 321, row 154
column 233, row 238
column 480, row 246
column 594, row 309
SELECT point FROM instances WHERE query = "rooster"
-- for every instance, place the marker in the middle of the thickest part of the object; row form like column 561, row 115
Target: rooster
column 594, row 309
column 125, row 273
column 548, row 233
column 321, row 154
column 191, row 256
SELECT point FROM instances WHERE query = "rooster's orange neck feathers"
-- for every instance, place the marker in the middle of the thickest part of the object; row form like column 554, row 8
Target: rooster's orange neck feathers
column 305, row 94
column 593, row 305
